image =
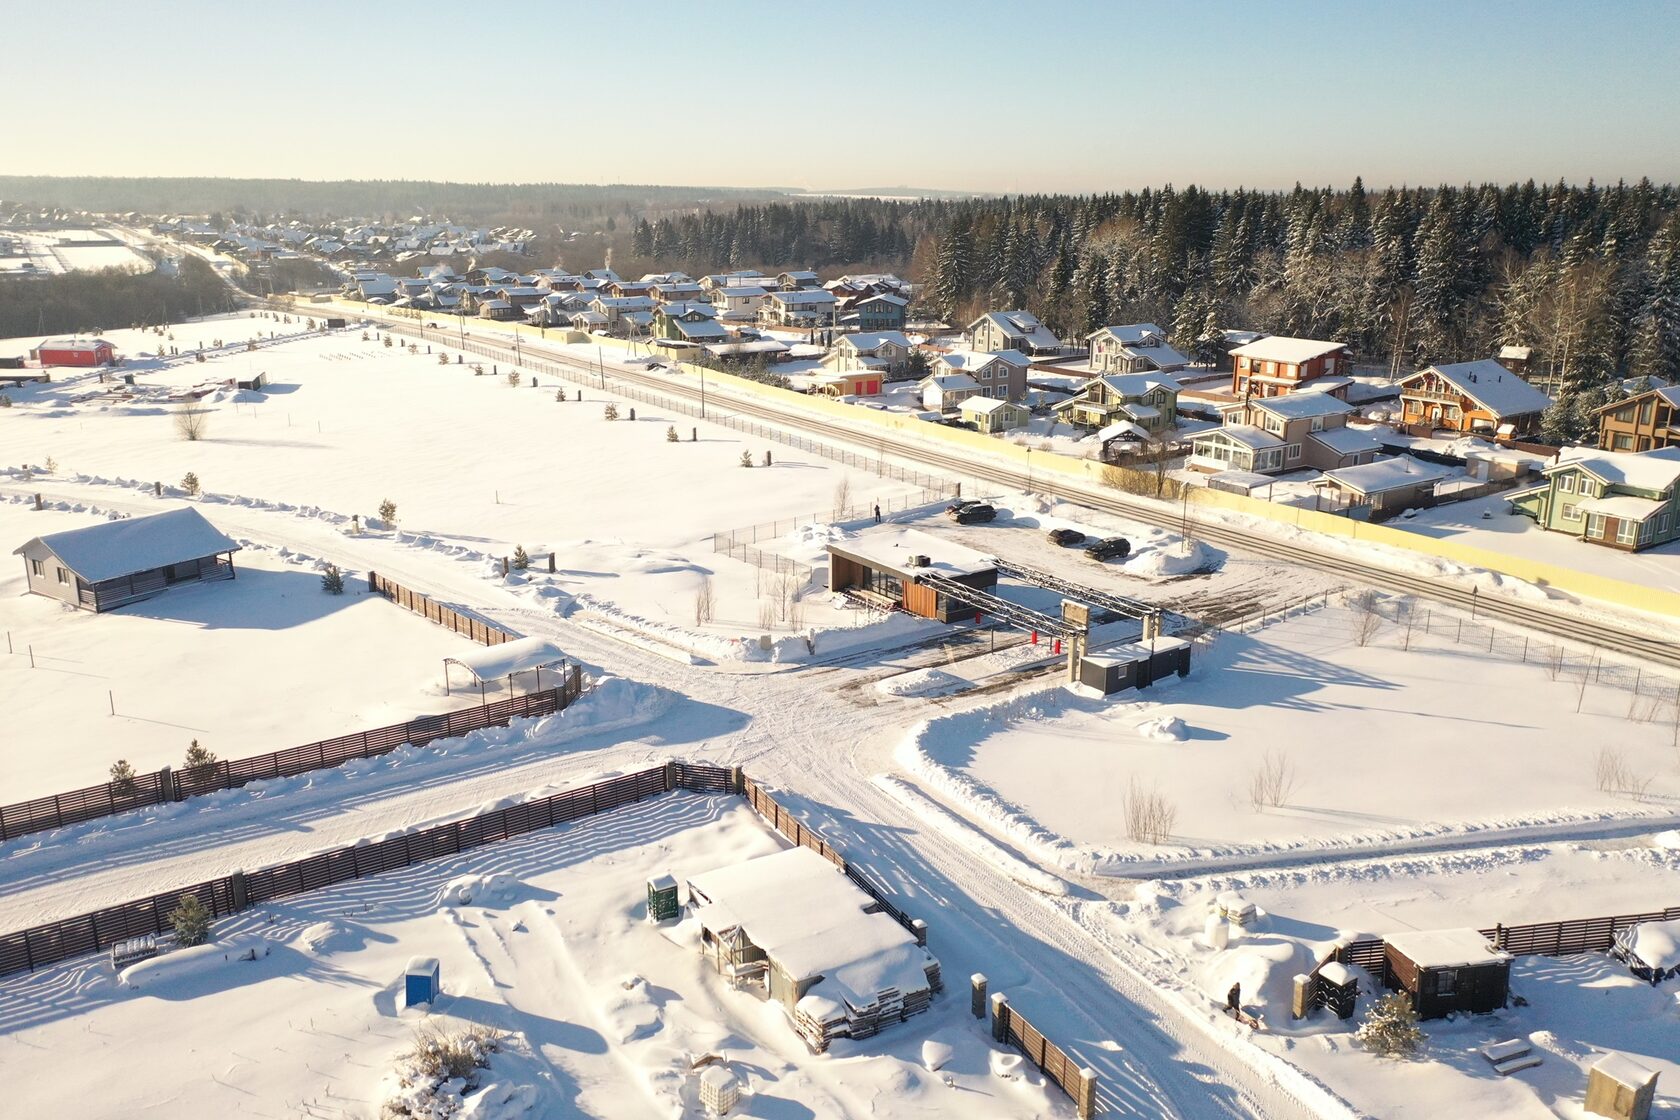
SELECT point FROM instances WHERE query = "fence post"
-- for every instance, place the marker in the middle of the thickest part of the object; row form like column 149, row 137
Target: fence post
column 1086, row 1097
column 1000, row 1017
column 977, row 995
column 921, row 930
column 373, row 581
column 670, row 776
column 166, row 784
column 737, row 780
column 241, row 891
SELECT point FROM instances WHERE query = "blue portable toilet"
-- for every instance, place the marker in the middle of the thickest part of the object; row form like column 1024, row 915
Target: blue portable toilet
column 422, row 981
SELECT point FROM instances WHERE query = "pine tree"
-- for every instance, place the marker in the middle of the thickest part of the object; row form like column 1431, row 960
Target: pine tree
column 1390, row 1028
column 189, row 483
column 953, row 269
column 521, row 560
column 197, row 756
column 332, row 580
column 190, row 920
column 122, row 776
column 388, row 512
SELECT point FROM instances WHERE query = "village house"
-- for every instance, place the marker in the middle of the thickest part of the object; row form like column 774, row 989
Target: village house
column 740, row 278
column 1133, row 348
column 1480, row 396
column 996, row 331
column 1516, row 359
column 797, row 281
column 1642, row 422
column 1384, row 487
column 676, row 291
column 881, row 311
column 613, row 309
column 943, row 392
column 667, row 278
column 993, row 414
column 117, row 562
column 824, row 951
column 883, row 352
column 1625, row 500
column 1276, row 365
column 628, row 289
column 499, row 310
column 847, row 383
column 75, row 352
column 804, row 308
column 1148, row 400
column 739, row 303
column 1002, row 374
column 688, row 322
column 1312, row 426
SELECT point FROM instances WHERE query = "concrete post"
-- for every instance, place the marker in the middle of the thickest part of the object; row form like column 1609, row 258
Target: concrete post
column 1000, row 1017
column 241, row 891
column 670, row 776
column 921, row 930
column 1300, row 996
column 977, row 995
column 737, row 780
column 166, row 784
column 551, row 561
column 1085, row 1095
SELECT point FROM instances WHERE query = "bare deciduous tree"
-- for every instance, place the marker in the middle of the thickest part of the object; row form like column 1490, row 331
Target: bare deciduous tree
column 192, row 422
column 705, row 601
column 766, row 615
column 842, row 495
column 1366, row 620
column 1149, row 815
column 1270, row 785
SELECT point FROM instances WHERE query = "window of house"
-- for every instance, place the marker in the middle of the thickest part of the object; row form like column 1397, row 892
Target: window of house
column 39, row 567
column 1446, row 981
column 1595, row 525
column 1571, row 511
column 1660, row 525
column 63, row 576
column 1622, row 443
column 1626, row 531
column 1625, row 415
column 1566, row 484
column 1317, row 424
column 1294, row 452
column 1646, row 411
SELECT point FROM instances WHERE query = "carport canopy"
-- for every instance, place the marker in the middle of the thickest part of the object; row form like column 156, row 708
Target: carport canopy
column 492, row 663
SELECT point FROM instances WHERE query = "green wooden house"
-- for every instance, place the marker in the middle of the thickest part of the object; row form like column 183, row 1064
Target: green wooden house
column 1615, row 499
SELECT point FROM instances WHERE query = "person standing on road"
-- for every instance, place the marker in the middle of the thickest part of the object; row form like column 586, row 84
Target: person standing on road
column 877, row 513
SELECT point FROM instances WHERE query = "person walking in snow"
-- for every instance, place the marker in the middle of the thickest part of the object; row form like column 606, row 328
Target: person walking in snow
column 877, row 513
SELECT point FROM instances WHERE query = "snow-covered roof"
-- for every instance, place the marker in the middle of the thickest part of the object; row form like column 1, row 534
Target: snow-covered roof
column 1656, row 944
column 1023, row 323
column 891, row 549
column 815, row 297
column 1669, row 394
column 1446, row 948
column 1492, row 386
column 873, row 340
column 976, row 359
column 1515, row 353
column 1336, row 973
column 1625, row 506
column 138, row 544
column 1121, row 429
column 984, row 405
column 1625, row 1071
column 492, row 663
column 1644, row 470
column 1384, row 475
column 885, row 297
column 1138, row 384
column 945, row 382
column 1255, row 439
column 1301, row 406
column 1279, row 348
column 743, row 293
column 809, row 918
column 1132, row 334
column 1347, row 441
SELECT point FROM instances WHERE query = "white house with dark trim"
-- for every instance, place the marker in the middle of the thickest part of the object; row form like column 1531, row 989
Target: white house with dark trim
column 117, row 562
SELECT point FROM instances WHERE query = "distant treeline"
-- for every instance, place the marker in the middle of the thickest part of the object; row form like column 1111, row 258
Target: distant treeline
column 109, row 299
column 566, row 204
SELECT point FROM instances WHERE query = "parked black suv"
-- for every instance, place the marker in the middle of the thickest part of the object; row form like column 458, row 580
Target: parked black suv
column 1109, row 548
column 1066, row 537
column 979, row 511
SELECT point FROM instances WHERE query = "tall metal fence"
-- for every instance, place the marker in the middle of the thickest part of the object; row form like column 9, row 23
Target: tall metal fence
column 477, row 629
column 155, row 788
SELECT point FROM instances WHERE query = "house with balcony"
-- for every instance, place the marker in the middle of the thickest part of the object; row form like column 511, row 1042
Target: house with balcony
column 806, row 308
column 1642, row 422
column 1275, row 365
column 944, row 392
column 1002, row 375
column 1148, row 400
column 676, row 291
column 880, row 311
column 739, row 303
column 1312, row 426
column 996, row 331
column 613, row 309
column 1481, row 396
column 883, row 352
column 801, row 280
column 1612, row 498
column 1133, row 348
column 694, row 323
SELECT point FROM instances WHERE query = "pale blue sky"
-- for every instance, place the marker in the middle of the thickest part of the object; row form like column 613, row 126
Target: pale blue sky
column 977, row 96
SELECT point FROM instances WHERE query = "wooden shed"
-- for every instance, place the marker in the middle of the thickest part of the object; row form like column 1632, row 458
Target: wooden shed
column 882, row 567
column 1448, row 970
column 117, row 562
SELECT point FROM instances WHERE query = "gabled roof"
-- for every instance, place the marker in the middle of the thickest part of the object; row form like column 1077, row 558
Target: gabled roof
column 1346, row 441
column 1644, row 470
column 987, row 404
column 804, row 295
column 949, row 381
column 138, row 544
column 1023, row 323
column 1669, row 394
column 1131, row 334
column 1301, row 406
column 978, row 359
column 873, row 340
column 885, row 297
column 1255, row 439
column 1385, row 474
column 745, row 292
column 1294, row 351
column 1493, row 387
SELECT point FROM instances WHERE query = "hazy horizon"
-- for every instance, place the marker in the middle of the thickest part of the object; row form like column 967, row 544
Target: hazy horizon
column 979, row 98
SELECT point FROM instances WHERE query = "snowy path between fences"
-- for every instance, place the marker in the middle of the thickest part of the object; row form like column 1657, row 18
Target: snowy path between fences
column 1158, row 1053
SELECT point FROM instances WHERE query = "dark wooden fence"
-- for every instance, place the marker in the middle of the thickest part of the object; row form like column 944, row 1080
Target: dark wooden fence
column 1012, row 1028
column 29, row 949
column 109, row 798
column 475, row 628
column 1537, row 939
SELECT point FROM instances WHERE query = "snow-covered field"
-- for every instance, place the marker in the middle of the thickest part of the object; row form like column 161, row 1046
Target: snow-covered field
column 261, row 662
column 46, row 251
column 543, row 938
column 1375, row 742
